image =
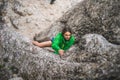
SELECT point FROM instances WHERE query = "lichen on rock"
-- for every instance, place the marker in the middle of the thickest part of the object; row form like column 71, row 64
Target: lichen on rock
column 95, row 55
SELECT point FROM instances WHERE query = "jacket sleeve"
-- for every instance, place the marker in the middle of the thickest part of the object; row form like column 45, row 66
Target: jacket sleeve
column 56, row 42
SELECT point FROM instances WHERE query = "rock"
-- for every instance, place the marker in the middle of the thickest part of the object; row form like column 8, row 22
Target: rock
column 90, row 63
column 100, row 17
column 33, row 15
column 95, row 55
column 16, row 79
column 15, row 23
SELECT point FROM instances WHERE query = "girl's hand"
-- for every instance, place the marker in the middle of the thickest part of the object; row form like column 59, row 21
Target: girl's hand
column 61, row 52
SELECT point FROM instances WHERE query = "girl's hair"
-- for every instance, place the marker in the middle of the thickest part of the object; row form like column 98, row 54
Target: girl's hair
column 66, row 29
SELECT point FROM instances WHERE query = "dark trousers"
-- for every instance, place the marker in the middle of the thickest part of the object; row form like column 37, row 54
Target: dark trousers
column 52, row 1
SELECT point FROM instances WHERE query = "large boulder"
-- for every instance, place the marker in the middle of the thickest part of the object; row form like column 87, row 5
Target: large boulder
column 92, row 16
column 99, row 59
column 95, row 16
column 32, row 16
column 95, row 55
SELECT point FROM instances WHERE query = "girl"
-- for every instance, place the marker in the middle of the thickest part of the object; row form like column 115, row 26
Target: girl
column 62, row 41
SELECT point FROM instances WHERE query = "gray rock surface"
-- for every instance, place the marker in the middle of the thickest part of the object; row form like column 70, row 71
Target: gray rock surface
column 95, row 55
column 30, row 17
column 92, row 16
column 99, row 60
column 100, row 17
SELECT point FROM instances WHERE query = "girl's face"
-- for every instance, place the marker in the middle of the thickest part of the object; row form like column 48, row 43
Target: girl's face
column 67, row 35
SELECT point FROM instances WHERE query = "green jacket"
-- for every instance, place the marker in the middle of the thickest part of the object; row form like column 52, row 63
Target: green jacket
column 60, row 43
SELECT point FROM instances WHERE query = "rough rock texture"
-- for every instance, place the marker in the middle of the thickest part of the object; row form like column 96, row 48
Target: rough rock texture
column 96, row 16
column 29, row 17
column 99, row 60
column 95, row 56
column 92, row 16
